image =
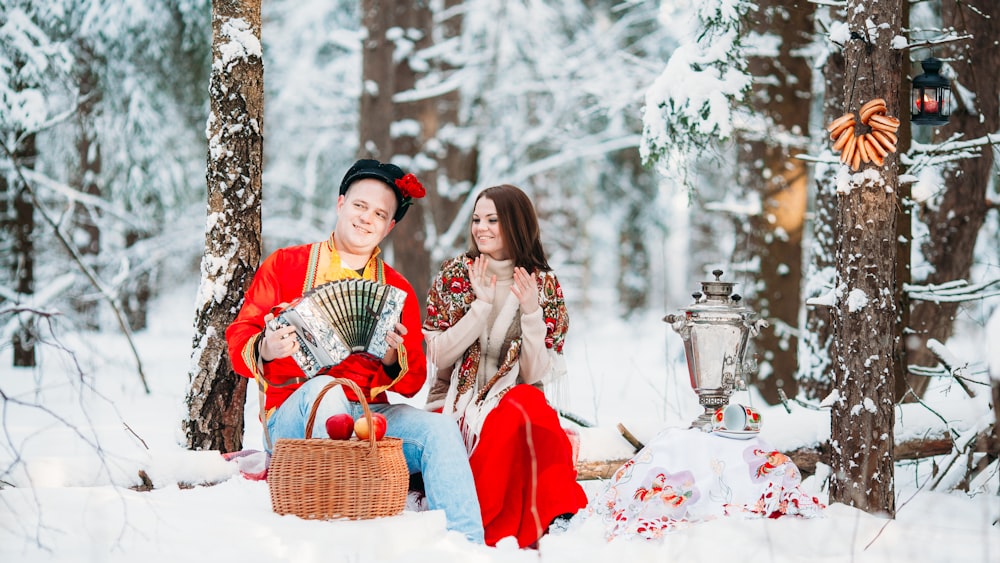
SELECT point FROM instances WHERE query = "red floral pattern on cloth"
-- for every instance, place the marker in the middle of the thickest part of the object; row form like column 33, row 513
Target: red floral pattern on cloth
column 451, row 296
column 683, row 477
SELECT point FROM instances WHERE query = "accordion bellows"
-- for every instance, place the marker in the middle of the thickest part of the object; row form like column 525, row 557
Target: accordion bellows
column 336, row 319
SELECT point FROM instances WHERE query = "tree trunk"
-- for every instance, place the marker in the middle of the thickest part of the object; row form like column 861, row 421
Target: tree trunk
column 19, row 230
column 816, row 368
column 87, row 233
column 955, row 219
column 135, row 293
column 26, row 335
column 768, row 167
column 232, row 241
column 430, row 151
column 631, row 185
column 865, row 320
column 996, row 412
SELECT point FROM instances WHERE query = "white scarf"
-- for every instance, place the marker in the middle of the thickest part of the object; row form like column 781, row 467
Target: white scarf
column 470, row 413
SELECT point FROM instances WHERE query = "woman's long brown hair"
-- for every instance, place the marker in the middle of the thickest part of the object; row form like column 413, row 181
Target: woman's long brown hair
column 518, row 226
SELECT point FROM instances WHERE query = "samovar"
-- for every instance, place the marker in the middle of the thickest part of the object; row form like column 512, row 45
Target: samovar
column 715, row 329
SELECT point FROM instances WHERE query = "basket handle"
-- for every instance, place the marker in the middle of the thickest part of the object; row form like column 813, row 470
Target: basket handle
column 361, row 398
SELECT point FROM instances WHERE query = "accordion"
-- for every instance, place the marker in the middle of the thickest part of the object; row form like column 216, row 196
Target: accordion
column 336, row 319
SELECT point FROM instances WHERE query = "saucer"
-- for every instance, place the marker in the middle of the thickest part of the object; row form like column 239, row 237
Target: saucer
column 737, row 434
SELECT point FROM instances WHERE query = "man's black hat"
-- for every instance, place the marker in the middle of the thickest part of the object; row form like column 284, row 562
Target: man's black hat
column 405, row 186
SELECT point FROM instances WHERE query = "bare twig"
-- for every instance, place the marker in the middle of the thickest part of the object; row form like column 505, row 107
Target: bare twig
column 951, row 431
column 784, row 400
column 887, row 522
column 941, row 371
column 87, row 271
column 966, row 449
column 630, row 437
column 575, row 418
column 32, row 310
column 132, row 432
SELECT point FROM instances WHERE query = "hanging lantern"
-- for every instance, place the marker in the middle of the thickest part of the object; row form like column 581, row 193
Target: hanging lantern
column 931, row 100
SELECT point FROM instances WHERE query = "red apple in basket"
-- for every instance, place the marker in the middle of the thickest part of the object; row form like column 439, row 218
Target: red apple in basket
column 362, row 430
column 340, row 426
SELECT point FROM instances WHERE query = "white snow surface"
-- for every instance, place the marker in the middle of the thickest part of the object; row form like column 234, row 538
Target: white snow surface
column 79, row 429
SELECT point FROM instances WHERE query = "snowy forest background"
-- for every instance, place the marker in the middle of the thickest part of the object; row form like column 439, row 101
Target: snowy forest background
column 659, row 140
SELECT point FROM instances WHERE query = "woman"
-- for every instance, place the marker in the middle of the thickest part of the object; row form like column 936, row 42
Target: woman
column 495, row 327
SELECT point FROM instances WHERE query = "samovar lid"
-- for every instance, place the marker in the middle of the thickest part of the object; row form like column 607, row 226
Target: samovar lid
column 717, row 292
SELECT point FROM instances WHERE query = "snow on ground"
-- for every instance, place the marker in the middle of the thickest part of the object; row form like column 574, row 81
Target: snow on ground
column 78, row 430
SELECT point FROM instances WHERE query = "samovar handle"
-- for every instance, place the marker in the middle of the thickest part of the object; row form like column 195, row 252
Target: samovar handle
column 755, row 326
column 680, row 324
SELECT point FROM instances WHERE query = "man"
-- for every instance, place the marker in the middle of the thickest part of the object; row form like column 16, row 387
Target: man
column 374, row 196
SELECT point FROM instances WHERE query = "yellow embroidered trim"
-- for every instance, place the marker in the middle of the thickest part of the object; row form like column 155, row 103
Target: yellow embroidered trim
column 334, row 271
column 250, row 357
column 403, row 368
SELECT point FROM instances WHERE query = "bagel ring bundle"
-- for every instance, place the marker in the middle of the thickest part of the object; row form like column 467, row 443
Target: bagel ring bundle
column 873, row 146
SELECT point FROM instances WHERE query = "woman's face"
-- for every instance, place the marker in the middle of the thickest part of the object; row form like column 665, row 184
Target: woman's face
column 486, row 230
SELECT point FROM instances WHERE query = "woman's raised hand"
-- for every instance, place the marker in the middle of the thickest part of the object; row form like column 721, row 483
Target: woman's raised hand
column 483, row 285
column 526, row 290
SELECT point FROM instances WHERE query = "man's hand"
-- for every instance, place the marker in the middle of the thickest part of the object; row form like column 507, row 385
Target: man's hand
column 485, row 289
column 394, row 339
column 526, row 290
column 279, row 343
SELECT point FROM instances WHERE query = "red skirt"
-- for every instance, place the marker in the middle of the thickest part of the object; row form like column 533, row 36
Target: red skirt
column 523, row 467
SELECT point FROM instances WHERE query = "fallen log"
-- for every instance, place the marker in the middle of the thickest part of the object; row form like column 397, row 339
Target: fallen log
column 805, row 458
column 601, row 469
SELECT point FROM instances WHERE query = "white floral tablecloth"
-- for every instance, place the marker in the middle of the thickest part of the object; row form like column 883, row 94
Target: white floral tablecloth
column 684, row 476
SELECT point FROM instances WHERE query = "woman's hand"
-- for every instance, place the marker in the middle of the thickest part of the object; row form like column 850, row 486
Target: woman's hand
column 483, row 285
column 526, row 290
column 278, row 343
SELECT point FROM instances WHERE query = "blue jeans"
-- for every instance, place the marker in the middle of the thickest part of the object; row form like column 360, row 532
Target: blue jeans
column 432, row 445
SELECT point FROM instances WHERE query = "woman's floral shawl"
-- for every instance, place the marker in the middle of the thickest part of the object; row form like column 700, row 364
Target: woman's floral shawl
column 449, row 299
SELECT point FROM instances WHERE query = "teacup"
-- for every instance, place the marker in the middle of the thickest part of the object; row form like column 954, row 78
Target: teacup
column 736, row 417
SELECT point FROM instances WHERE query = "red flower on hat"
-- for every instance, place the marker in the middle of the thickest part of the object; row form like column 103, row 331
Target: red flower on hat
column 409, row 186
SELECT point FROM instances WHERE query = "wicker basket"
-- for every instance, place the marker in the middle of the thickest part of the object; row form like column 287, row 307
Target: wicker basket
column 323, row 478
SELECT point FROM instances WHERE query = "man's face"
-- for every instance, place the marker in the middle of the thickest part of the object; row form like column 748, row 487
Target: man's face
column 364, row 216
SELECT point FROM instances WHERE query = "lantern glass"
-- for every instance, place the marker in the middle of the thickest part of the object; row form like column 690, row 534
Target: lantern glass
column 930, row 102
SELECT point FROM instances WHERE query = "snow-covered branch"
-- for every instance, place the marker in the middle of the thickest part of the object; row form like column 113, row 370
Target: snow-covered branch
column 922, row 155
column 953, row 145
column 953, row 292
column 934, row 42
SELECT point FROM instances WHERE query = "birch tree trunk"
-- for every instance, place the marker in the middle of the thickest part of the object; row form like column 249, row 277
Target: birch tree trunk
column 232, row 240
column 865, row 321
column 955, row 219
column 768, row 168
